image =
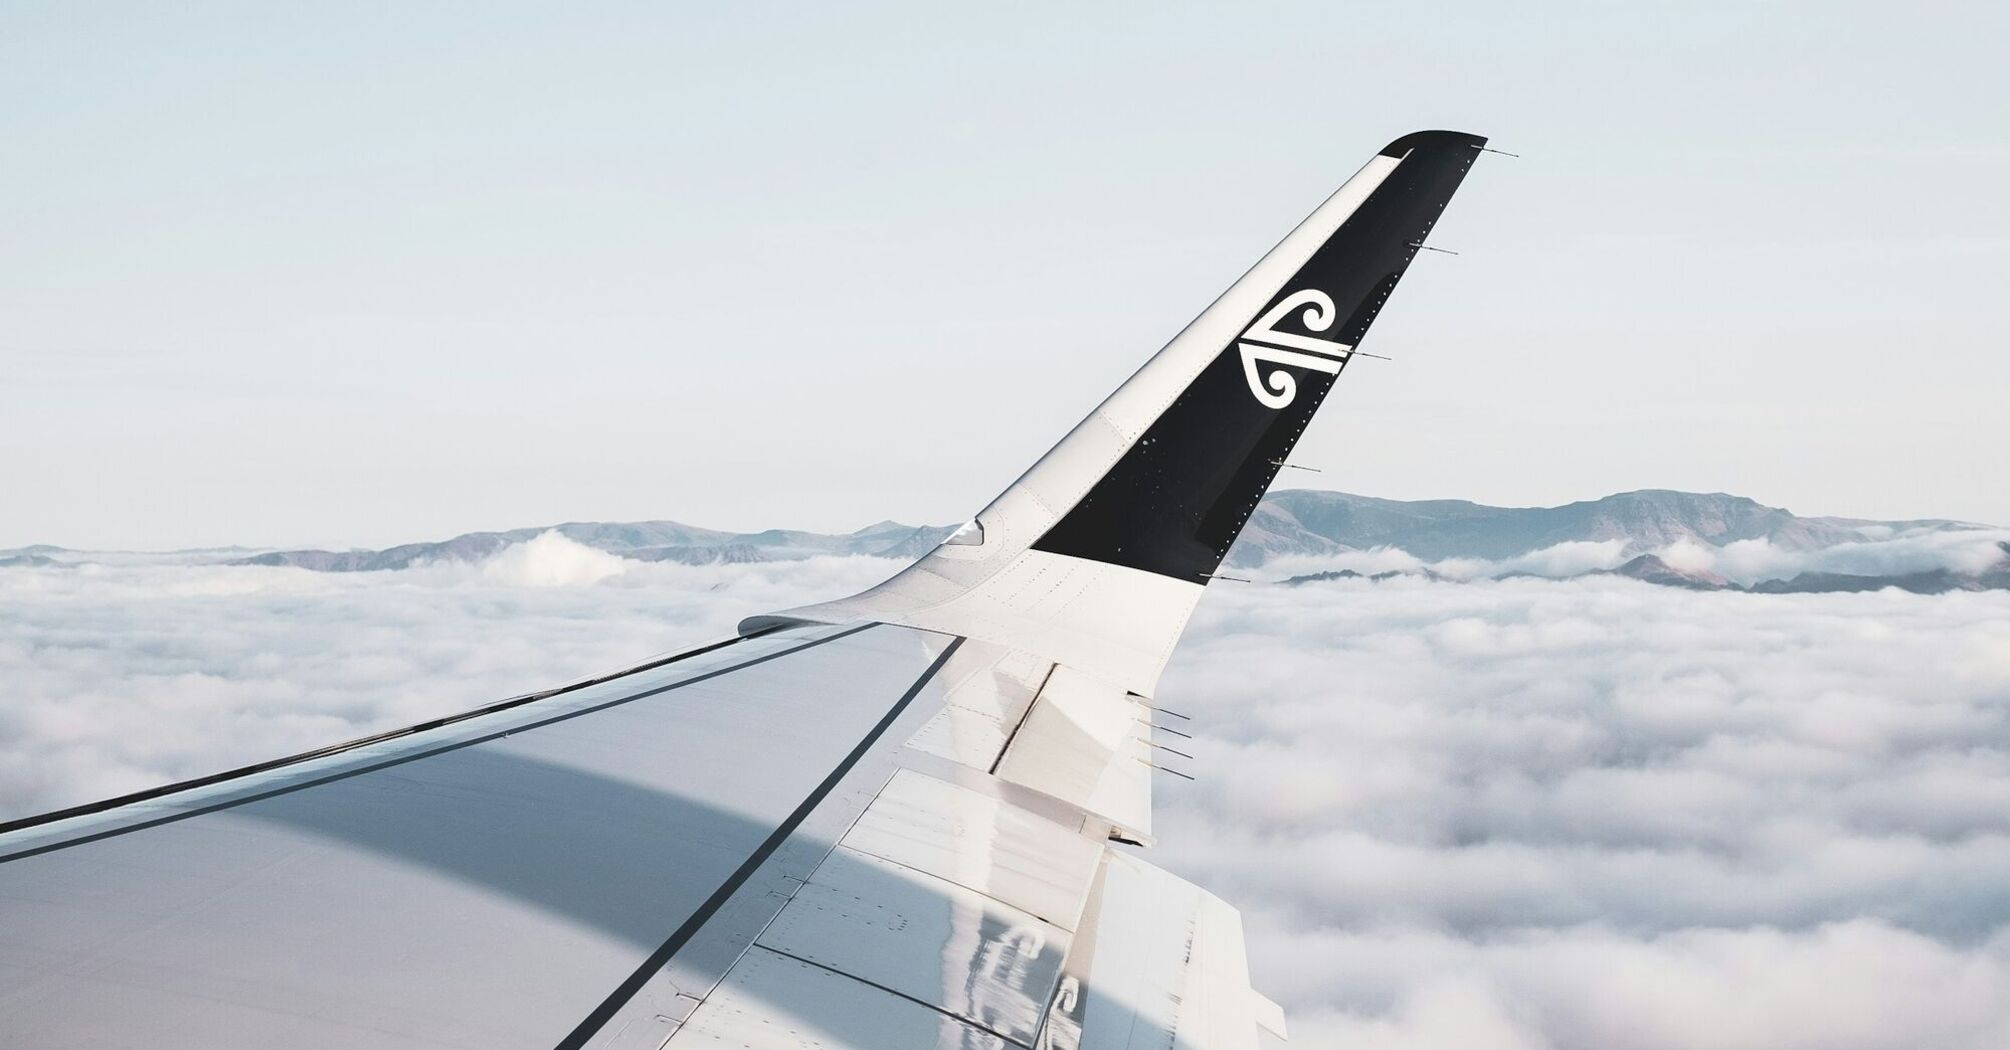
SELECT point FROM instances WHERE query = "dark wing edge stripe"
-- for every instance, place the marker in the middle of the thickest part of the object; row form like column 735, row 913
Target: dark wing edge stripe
column 88, row 808
column 657, row 959
column 393, row 734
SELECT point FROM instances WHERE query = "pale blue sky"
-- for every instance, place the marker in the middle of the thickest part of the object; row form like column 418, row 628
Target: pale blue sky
column 286, row 274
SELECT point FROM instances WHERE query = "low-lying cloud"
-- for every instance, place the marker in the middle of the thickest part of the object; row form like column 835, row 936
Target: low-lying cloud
column 1512, row 813
column 116, row 677
column 551, row 560
column 1962, row 551
column 1966, row 551
column 1598, row 813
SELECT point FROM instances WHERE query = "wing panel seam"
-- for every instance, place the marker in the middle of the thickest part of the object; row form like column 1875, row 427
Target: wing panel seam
column 595, row 1021
column 958, row 1018
column 1021, row 724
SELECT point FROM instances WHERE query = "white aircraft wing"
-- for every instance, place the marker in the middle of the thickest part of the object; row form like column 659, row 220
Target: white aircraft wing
column 903, row 819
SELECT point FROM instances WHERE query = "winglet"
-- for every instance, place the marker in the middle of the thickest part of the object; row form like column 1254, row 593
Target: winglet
column 1097, row 554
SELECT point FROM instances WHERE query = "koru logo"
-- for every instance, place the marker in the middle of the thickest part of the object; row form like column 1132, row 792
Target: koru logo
column 1263, row 342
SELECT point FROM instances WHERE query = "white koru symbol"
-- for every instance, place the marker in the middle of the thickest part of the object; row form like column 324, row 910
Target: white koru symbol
column 1321, row 355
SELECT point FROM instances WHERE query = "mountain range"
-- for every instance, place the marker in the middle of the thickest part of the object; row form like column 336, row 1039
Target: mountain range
column 637, row 541
column 1309, row 521
column 1649, row 568
column 1636, row 531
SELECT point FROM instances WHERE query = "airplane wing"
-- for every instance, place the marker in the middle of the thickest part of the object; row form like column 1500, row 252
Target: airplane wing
column 902, row 819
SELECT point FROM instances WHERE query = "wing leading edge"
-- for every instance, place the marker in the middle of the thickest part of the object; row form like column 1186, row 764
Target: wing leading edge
column 895, row 820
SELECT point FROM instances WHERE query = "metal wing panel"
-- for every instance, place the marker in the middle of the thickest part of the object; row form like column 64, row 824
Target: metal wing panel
column 176, row 801
column 1159, row 964
column 773, row 1002
column 982, row 709
column 981, row 843
column 1084, row 741
column 924, row 938
column 492, row 891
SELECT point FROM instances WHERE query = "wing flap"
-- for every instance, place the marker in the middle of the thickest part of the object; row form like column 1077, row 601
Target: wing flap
column 1084, row 742
column 982, row 843
column 773, row 1002
column 1160, row 962
column 927, row 939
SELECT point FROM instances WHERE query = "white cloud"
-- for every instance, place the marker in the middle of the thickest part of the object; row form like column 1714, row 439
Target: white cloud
column 1885, row 553
column 1965, row 551
column 1568, row 559
column 1882, row 552
column 1515, row 814
column 551, row 560
column 1850, row 984
column 1366, row 562
column 121, row 676
column 1519, row 813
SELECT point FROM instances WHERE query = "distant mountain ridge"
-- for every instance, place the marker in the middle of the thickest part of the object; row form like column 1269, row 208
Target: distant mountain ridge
column 1291, row 522
column 1311, row 521
column 1640, row 526
column 638, row 541
column 1648, row 568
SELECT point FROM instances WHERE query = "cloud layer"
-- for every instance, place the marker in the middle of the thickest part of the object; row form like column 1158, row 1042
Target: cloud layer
column 1513, row 814
column 123, row 676
column 1596, row 813
column 1880, row 553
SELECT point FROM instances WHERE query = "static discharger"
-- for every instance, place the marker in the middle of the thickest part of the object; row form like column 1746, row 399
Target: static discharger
column 1163, row 747
column 1294, row 466
column 1420, row 245
column 1167, row 769
column 1221, row 576
column 1502, row 152
column 1175, row 732
column 1140, row 701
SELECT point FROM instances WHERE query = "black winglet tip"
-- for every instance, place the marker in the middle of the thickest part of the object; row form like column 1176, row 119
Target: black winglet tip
column 1402, row 146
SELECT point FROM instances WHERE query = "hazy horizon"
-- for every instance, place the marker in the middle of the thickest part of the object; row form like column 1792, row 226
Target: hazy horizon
column 230, row 543
column 319, row 276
